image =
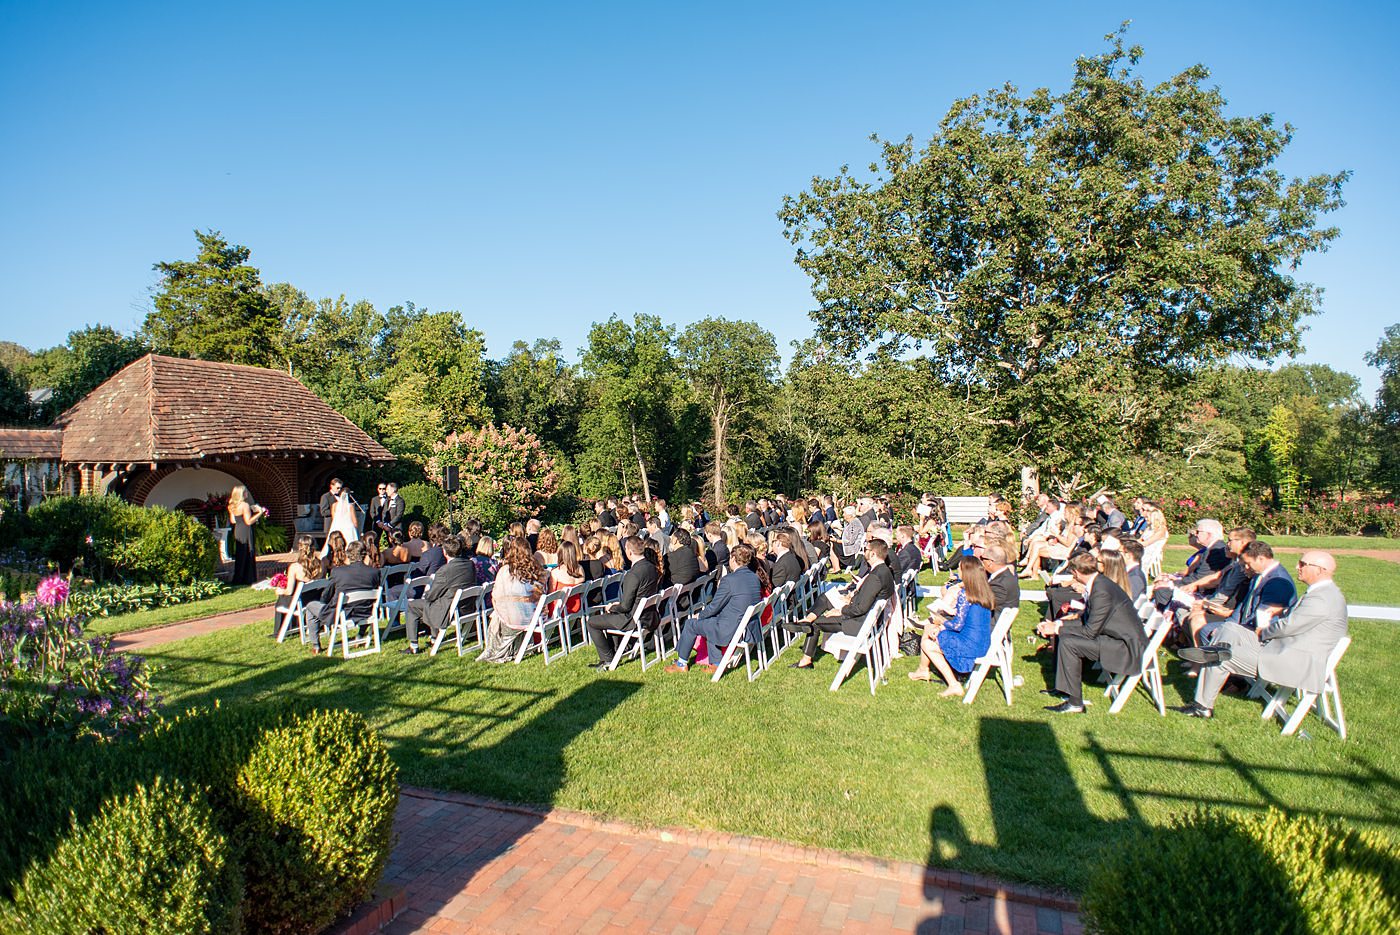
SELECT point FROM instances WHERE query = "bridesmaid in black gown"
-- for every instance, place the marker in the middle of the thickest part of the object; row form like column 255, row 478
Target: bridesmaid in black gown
column 242, row 514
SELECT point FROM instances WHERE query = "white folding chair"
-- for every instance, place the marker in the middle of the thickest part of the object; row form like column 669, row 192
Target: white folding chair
column 1149, row 673
column 362, row 643
column 548, row 615
column 305, row 592
column 633, row 634
column 577, row 617
column 1152, row 560
column 1330, row 709
column 392, row 610
column 867, row 643
column 737, row 644
column 669, row 618
column 468, row 619
column 998, row 657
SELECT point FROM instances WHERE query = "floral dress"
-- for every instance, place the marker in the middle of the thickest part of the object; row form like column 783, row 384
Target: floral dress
column 513, row 604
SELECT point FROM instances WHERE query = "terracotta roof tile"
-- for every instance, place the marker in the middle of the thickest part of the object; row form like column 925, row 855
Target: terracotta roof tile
column 172, row 409
column 43, row 444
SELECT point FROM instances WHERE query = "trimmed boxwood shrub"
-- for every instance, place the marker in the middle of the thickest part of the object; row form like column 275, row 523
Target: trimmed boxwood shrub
column 151, row 862
column 115, row 540
column 1211, row 872
column 306, row 798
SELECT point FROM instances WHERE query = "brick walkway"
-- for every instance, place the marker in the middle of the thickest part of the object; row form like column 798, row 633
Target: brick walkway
column 155, row 636
column 471, row 866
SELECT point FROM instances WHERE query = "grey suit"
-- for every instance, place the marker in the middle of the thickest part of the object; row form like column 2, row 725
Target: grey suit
column 1291, row 651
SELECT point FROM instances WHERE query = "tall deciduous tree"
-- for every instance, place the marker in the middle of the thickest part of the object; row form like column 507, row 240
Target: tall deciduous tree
column 451, row 356
column 1051, row 248
column 732, row 367
column 1386, row 414
column 535, row 388
column 214, row 307
column 14, row 399
column 633, row 381
column 93, row 355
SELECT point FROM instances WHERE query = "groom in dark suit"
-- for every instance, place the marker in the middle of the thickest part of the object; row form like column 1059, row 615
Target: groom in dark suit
column 391, row 519
column 1108, row 631
column 328, row 502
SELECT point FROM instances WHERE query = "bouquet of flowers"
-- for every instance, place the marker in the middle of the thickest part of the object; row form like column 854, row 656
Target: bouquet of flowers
column 279, row 580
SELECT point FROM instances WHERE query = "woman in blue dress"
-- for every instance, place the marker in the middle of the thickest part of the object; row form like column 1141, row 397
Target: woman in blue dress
column 958, row 642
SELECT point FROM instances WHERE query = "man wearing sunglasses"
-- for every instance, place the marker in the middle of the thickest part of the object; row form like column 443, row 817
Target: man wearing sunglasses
column 1291, row 651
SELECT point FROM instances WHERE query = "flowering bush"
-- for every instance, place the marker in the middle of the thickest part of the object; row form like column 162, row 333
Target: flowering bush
column 504, row 473
column 53, row 681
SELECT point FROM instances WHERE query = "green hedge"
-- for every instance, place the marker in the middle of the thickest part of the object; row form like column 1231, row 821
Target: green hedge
column 109, row 539
column 112, row 599
column 1214, row 872
column 425, row 503
column 150, row 863
column 305, row 797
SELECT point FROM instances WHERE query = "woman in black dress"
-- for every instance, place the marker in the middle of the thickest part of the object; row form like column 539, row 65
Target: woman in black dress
column 242, row 514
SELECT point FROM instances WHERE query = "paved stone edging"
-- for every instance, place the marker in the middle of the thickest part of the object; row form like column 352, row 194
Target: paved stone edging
column 898, row 870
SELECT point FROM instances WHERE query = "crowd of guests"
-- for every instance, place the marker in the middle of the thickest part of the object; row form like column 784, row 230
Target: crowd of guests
column 1233, row 609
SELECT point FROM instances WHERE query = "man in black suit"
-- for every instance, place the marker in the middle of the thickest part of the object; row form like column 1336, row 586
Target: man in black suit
column 608, row 517
column 752, row 518
column 458, row 571
column 1132, row 561
column 847, row 618
column 909, row 554
column 328, row 502
column 357, row 574
column 786, row 565
column 1108, row 631
column 1001, row 578
column 682, row 567
column 391, row 519
column 642, row 581
column 377, row 505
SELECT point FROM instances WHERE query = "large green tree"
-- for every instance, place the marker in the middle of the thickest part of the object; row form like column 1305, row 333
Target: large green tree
column 1074, row 257
column 535, row 388
column 214, row 307
column 732, row 367
column 334, row 347
column 1385, row 416
column 93, row 355
column 14, row 399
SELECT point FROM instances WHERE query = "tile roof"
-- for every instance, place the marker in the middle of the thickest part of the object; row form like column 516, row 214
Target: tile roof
column 171, row 409
column 22, row 444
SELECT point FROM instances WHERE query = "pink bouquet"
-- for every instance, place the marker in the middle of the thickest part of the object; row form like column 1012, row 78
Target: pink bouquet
column 279, row 580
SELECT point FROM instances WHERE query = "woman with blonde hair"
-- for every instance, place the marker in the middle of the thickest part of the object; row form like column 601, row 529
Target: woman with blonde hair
column 1056, row 543
column 1112, row 567
column 519, row 583
column 547, row 549
column 613, row 546
column 242, row 514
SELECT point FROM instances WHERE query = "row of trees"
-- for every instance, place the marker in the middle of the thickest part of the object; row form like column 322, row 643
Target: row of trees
column 1058, row 280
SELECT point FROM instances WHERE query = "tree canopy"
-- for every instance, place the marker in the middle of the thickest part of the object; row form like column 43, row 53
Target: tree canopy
column 1069, row 257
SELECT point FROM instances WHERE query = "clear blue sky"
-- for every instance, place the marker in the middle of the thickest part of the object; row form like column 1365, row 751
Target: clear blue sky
column 542, row 166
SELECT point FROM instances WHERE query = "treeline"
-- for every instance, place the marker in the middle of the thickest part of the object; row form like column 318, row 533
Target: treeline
column 706, row 411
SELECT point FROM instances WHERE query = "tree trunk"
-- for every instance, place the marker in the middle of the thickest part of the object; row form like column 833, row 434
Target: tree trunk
column 720, row 423
column 641, row 465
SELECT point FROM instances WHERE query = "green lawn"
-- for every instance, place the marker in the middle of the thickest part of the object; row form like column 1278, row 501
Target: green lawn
column 1011, row 791
column 237, row 599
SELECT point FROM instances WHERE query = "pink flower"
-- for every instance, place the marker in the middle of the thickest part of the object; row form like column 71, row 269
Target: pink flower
column 53, row 591
column 279, row 580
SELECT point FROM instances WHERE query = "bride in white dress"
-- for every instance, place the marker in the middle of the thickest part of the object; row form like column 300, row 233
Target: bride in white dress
column 343, row 518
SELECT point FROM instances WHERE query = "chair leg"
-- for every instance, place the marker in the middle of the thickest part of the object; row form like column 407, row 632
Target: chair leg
column 1305, row 703
column 974, row 681
column 1123, row 690
column 1006, row 673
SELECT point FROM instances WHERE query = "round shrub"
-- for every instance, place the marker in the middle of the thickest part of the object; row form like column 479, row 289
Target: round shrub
column 164, row 547
column 320, row 795
column 1211, row 872
column 151, row 863
column 425, row 503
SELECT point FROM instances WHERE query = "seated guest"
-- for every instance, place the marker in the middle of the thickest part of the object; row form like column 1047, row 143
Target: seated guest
column 1112, row 565
column 1212, row 555
column 612, row 553
column 412, row 548
column 838, row 615
column 1109, row 516
column 1046, row 507
column 304, row 569
column 787, row 566
column 1132, row 558
column 759, row 544
column 818, row 542
column 335, row 550
column 1060, row 538
column 828, row 510
column 1271, row 590
column 1154, row 524
column 717, row 621
column 547, row 549
column 595, row 558
column 519, row 584
column 433, row 557
column 717, row 549
column 1290, row 652
column 570, row 534
column 372, row 553
column 532, row 534
column 847, row 552
column 1213, row 598
column 568, row 574
column 435, row 608
column 608, row 518
column 642, row 580
column 471, row 532
column 681, row 564
column 953, row 646
column 354, row 575
column 752, row 518
column 908, row 552
column 1107, row 631
column 663, row 516
column 486, row 562
column 1001, row 579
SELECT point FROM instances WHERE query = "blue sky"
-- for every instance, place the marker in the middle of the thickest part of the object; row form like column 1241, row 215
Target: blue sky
column 542, row 166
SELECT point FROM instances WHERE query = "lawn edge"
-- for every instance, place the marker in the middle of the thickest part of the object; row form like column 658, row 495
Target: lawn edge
column 888, row 868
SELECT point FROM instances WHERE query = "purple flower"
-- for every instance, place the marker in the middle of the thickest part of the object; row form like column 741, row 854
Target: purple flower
column 53, row 591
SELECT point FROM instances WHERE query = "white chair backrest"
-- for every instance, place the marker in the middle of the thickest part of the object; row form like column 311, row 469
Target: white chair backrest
column 358, row 596
column 1335, row 656
column 1001, row 627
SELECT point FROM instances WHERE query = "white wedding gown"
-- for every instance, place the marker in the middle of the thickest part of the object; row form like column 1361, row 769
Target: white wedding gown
column 343, row 519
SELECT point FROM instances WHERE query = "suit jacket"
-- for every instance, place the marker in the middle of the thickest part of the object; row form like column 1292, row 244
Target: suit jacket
column 1110, row 620
column 641, row 582
column 787, row 567
column 1112, row 520
column 737, row 592
column 1296, row 645
column 1274, row 588
column 377, row 505
column 327, row 504
column 1216, row 558
column 345, row 578
column 1006, row 591
column 1040, row 520
column 456, row 573
column 754, row 521
column 393, row 513
column 681, row 566
column 431, row 561
column 607, row 518
column 911, row 557
column 875, row 586
column 1138, row 579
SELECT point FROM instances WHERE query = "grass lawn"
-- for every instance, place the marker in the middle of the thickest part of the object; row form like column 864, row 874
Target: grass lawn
column 1011, row 791
column 236, row 599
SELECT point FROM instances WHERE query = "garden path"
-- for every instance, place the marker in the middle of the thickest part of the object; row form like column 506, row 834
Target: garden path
column 138, row 640
column 470, row 865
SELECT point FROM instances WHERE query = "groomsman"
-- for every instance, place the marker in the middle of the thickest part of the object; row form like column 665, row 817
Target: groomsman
column 377, row 505
column 392, row 518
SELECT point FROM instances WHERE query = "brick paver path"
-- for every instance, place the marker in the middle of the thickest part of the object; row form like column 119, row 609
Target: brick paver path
column 138, row 640
column 471, row 866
